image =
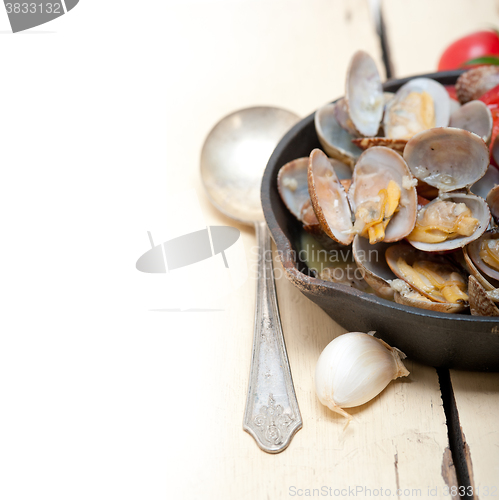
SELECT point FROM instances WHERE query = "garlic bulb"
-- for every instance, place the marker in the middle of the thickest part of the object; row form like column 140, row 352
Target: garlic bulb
column 354, row 368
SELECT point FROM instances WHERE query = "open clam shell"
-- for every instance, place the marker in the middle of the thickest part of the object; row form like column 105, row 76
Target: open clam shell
column 480, row 303
column 482, row 186
column 364, row 94
column 475, row 117
column 375, row 168
column 343, row 117
column 479, row 210
column 481, row 270
column 406, row 295
column 371, row 260
column 447, row 158
column 336, row 141
column 329, row 198
column 400, row 255
column 406, row 114
column 292, row 184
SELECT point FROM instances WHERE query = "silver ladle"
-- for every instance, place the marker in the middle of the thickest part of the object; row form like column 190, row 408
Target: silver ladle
column 233, row 159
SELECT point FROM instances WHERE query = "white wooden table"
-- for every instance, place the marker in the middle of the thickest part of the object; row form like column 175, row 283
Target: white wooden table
column 109, row 387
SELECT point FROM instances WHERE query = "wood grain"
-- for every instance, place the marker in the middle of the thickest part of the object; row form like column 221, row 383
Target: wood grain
column 477, row 401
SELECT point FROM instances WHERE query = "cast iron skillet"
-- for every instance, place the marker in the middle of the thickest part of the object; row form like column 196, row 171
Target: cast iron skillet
column 437, row 339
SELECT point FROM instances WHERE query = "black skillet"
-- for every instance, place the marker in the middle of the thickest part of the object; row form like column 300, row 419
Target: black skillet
column 437, row 339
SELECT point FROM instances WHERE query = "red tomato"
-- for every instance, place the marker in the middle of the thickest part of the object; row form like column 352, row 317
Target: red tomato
column 491, row 97
column 479, row 44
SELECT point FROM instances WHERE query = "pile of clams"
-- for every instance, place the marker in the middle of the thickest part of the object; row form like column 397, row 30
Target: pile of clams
column 405, row 180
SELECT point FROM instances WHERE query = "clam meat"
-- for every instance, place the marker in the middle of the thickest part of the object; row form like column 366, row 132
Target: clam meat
column 433, row 276
column 382, row 196
column 420, row 104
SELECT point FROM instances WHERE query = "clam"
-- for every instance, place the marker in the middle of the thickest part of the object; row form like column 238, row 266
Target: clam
column 329, row 198
column 418, row 105
column 364, row 94
column 382, row 196
column 292, row 184
column 335, row 140
column 475, row 117
column 343, row 118
column 450, row 221
column 448, row 159
column 406, row 295
column 431, row 275
column 475, row 82
column 482, row 187
column 480, row 303
column 371, row 260
column 482, row 259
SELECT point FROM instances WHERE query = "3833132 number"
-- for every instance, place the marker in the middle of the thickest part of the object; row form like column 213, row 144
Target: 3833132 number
column 482, row 491
column 33, row 8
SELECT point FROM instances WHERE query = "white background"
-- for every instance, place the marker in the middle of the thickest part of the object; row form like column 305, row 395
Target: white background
column 103, row 113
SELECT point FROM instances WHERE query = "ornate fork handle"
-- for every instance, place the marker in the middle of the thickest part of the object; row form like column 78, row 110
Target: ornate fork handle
column 272, row 415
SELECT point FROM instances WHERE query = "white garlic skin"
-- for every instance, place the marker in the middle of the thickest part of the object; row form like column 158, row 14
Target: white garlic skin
column 353, row 369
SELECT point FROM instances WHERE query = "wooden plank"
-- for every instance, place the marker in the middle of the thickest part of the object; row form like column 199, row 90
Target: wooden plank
column 419, row 31
column 432, row 26
column 477, row 401
column 398, row 440
column 288, row 55
column 109, row 390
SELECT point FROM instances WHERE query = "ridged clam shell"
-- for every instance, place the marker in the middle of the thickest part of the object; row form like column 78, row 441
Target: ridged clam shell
column 480, row 303
column 475, row 82
column 447, row 158
column 329, row 198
